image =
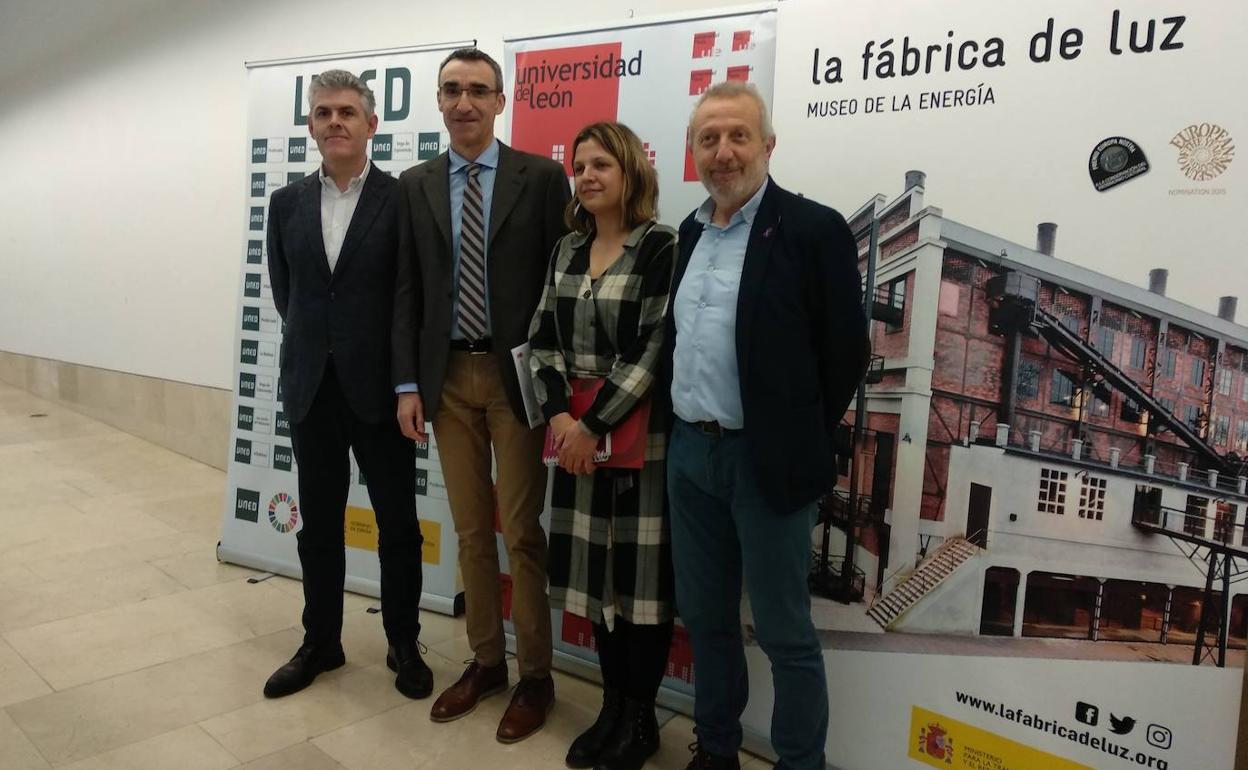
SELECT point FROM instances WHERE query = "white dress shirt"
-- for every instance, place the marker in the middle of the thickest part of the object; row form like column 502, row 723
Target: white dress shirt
column 337, row 208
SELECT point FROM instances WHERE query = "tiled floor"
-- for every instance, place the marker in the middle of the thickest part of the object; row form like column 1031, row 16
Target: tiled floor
column 124, row 645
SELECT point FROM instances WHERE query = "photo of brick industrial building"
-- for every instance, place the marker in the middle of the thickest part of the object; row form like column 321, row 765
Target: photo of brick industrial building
column 1044, row 451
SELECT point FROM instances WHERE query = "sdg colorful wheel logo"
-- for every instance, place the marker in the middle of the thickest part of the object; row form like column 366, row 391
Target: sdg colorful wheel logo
column 283, row 513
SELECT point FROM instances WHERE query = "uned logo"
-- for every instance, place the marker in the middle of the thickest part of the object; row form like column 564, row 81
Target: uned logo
column 428, row 145
column 247, row 384
column 251, row 319
column 283, row 458
column 247, row 504
column 259, row 150
column 294, row 176
column 246, row 417
column 255, row 252
column 257, row 185
column 282, row 427
column 242, row 451
column 1205, row 151
column 249, row 352
column 383, row 146
column 255, row 219
column 297, row 149
column 251, row 285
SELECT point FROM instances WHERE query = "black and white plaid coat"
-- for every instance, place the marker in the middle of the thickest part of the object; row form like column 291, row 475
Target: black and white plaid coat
column 610, row 552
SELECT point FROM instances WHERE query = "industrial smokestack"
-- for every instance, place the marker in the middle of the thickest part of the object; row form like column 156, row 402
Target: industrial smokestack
column 1157, row 280
column 915, row 179
column 1046, row 238
column 1226, row 308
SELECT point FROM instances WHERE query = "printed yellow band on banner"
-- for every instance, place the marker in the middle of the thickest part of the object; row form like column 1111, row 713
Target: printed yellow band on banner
column 431, row 551
column 361, row 532
column 361, row 528
column 943, row 742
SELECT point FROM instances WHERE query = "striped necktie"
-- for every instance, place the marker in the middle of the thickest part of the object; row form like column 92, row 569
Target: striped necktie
column 472, row 259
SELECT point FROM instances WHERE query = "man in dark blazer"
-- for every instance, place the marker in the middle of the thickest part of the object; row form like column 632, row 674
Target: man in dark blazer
column 331, row 241
column 477, row 226
column 769, row 343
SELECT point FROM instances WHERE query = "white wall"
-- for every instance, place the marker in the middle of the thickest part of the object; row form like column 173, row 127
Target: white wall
column 124, row 154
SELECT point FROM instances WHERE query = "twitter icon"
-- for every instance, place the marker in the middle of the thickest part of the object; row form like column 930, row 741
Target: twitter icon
column 1121, row 725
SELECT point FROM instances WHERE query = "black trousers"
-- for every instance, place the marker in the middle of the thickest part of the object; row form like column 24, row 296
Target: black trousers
column 321, row 442
column 633, row 656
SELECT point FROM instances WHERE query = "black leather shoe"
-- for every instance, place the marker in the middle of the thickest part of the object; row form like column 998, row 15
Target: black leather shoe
column 636, row 738
column 705, row 760
column 415, row 678
column 588, row 745
column 309, row 661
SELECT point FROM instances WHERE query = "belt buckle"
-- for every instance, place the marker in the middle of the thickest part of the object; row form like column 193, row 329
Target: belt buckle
column 711, row 428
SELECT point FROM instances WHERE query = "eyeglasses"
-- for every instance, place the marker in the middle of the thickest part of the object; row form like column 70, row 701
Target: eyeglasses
column 453, row 91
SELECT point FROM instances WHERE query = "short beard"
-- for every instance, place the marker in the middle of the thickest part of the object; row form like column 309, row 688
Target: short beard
column 737, row 193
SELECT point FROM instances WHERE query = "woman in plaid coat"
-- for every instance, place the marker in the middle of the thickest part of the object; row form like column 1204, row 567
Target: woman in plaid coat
column 602, row 316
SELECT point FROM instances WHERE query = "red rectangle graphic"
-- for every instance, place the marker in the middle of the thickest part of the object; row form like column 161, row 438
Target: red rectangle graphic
column 740, row 72
column 699, row 81
column 559, row 91
column 741, row 40
column 704, row 44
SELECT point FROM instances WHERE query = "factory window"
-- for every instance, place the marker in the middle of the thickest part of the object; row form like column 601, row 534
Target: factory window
column 1130, row 411
column 1100, row 404
column 1191, row 416
column 1139, row 352
column 1167, row 363
column 1198, row 372
column 1063, row 388
column 1241, row 437
column 1225, row 377
column 1106, row 345
column 1052, row 491
column 1243, row 389
column 1028, row 379
column 1194, row 520
column 1092, row 498
column 897, row 299
column 1221, row 430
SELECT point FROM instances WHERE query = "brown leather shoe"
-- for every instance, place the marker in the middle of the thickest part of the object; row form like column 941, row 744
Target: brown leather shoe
column 533, row 700
column 461, row 698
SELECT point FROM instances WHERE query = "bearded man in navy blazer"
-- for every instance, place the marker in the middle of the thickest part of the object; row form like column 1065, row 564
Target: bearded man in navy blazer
column 770, row 342
column 332, row 240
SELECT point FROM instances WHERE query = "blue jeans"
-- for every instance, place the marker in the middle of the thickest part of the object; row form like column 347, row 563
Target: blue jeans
column 724, row 533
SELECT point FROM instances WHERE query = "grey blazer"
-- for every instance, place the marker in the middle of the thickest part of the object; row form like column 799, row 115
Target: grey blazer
column 347, row 312
column 526, row 221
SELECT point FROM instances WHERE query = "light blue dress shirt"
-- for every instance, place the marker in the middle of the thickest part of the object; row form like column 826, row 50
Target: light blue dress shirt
column 488, row 160
column 705, row 382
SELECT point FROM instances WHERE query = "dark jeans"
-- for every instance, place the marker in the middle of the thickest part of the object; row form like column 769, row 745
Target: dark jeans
column 725, row 534
column 321, row 442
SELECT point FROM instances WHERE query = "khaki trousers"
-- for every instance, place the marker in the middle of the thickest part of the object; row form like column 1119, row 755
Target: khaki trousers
column 474, row 414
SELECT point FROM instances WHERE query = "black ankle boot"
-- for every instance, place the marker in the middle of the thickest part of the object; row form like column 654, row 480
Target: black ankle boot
column 635, row 740
column 588, row 745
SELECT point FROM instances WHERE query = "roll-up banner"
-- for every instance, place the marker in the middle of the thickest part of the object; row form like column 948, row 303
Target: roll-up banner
column 1049, row 531
column 647, row 75
column 261, row 513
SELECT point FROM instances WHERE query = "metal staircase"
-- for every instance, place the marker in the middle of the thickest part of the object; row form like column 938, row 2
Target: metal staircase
column 951, row 555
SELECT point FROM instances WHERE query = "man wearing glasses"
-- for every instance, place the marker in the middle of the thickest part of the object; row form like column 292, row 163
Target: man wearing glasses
column 477, row 226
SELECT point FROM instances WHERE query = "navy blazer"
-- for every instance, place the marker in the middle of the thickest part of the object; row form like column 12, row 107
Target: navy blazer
column 801, row 336
column 347, row 312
